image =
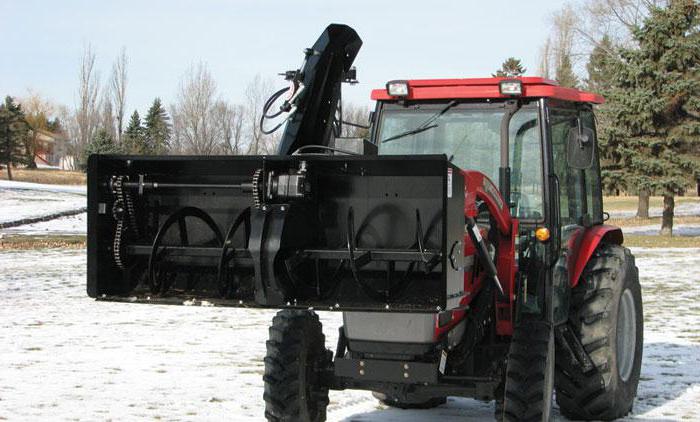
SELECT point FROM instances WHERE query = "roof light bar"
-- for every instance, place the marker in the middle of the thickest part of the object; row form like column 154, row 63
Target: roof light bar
column 511, row 87
column 397, row 88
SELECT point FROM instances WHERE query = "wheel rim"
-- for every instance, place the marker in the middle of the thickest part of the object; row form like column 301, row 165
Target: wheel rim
column 626, row 335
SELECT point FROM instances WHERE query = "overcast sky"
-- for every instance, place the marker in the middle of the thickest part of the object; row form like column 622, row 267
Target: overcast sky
column 42, row 41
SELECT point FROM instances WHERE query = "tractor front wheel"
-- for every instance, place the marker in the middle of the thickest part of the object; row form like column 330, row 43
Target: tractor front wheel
column 529, row 379
column 296, row 356
column 606, row 316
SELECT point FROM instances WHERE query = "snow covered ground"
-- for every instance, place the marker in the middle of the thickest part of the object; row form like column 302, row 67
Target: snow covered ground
column 21, row 200
column 64, row 356
column 12, row 184
column 70, row 225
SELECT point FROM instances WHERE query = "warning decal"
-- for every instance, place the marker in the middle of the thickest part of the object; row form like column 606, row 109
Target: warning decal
column 449, row 182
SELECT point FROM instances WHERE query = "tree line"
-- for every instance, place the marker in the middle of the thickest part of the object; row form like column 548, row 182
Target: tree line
column 199, row 121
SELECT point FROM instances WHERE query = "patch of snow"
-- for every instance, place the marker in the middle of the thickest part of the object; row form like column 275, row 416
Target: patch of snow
column 18, row 204
column 65, row 356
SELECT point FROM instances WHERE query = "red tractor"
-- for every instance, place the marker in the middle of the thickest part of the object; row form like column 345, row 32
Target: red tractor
column 450, row 284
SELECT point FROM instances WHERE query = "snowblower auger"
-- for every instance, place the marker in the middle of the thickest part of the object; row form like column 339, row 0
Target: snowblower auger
column 449, row 284
column 315, row 231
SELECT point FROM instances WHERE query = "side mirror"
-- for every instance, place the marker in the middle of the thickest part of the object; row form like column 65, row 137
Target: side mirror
column 580, row 147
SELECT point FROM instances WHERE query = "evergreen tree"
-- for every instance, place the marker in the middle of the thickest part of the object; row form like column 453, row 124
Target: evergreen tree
column 101, row 143
column 601, row 69
column 511, row 68
column 600, row 66
column 564, row 74
column 655, row 105
column 13, row 133
column 157, row 131
column 134, row 137
column 55, row 125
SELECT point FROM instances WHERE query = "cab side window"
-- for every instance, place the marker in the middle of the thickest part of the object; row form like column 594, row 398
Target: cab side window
column 579, row 190
column 593, row 184
column 571, row 196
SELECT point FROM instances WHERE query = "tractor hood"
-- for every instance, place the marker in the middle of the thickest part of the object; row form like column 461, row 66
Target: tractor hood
column 324, row 69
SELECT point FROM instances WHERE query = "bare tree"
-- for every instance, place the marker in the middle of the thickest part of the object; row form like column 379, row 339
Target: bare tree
column 355, row 121
column 118, row 90
column 68, row 151
column 229, row 126
column 176, row 145
column 564, row 24
column 87, row 113
column 616, row 18
column 107, row 118
column 256, row 93
column 560, row 55
column 544, row 68
column 194, row 130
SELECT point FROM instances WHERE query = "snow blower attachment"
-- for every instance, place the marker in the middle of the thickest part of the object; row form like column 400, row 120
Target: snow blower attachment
column 364, row 233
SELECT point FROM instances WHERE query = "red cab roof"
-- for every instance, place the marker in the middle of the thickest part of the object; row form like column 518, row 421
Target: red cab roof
column 434, row 89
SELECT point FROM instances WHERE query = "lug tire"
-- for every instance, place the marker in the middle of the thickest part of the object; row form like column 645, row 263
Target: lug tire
column 295, row 353
column 393, row 402
column 607, row 298
column 529, row 374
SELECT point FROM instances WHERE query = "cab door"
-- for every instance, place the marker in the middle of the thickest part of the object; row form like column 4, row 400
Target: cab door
column 578, row 201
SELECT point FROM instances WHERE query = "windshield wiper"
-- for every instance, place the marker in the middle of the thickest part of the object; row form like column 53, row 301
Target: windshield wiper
column 409, row 132
column 426, row 125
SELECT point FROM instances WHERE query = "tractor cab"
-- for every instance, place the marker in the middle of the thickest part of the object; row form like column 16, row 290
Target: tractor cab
column 463, row 119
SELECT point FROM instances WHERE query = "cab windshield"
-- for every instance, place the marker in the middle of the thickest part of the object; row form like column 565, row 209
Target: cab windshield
column 469, row 135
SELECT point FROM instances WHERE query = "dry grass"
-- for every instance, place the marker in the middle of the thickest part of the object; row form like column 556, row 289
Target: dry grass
column 47, row 176
column 634, row 221
column 42, row 242
column 629, row 203
column 662, row 241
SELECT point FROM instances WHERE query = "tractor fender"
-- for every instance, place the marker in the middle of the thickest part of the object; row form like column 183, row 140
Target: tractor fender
column 582, row 245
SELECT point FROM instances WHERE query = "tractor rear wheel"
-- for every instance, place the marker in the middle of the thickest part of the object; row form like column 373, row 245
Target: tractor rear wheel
column 296, row 355
column 529, row 374
column 606, row 316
